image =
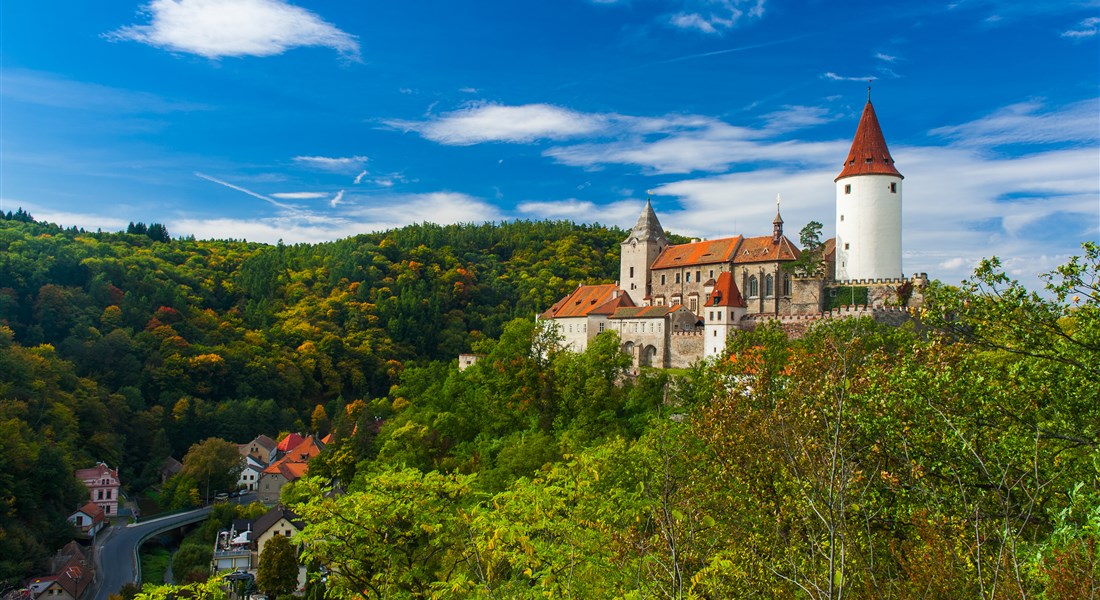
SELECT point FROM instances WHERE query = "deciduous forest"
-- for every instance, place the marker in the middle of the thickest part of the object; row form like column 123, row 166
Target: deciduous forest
column 955, row 456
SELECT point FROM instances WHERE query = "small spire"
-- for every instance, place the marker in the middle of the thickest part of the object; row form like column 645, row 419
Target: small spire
column 869, row 89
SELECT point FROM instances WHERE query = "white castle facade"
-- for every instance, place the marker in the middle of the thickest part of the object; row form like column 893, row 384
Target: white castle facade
column 677, row 303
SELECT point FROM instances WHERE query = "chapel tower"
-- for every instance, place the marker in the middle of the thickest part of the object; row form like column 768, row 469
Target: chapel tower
column 868, row 207
column 639, row 250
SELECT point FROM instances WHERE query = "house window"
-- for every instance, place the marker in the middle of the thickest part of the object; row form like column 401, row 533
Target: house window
column 769, row 286
column 107, row 509
column 689, row 277
column 108, row 494
column 698, row 278
column 601, row 326
column 677, row 278
column 893, row 188
column 99, row 495
column 711, row 274
column 662, row 279
column 694, row 304
column 848, row 188
column 754, row 287
column 711, row 316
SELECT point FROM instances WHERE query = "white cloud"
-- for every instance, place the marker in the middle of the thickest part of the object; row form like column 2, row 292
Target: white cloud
column 217, row 28
column 337, row 199
column 299, row 195
column 714, row 16
column 437, row 207
column 1085, row 29
column 360, row 176
column 344, row 164
column 497, row 123
column 885, row 57
column 622, row 213
column 1029, row 123
column 834, row 77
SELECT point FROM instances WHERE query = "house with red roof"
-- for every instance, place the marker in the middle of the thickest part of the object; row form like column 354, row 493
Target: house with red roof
column 583, row 314
column 103, row 487
column 293, row 465
column 71, row 574
column 88, row 519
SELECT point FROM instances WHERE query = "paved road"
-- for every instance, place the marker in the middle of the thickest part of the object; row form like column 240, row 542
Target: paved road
column 116, row 550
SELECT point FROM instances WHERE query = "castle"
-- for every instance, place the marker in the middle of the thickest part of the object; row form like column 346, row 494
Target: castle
column 676, row 304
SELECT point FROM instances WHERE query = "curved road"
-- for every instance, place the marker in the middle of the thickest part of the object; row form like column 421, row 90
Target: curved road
column 116, row 550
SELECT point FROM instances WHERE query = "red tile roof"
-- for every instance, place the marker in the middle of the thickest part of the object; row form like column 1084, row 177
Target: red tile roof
column 697, row 253
column 725, row 293
column 589, row 300
column 289, row 442
column 765, row 249
column 869, row 154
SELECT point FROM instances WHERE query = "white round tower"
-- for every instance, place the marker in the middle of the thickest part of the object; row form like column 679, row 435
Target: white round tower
column 868, row 207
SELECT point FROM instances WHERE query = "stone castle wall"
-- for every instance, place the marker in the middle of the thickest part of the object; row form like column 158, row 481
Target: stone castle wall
column 685, row 348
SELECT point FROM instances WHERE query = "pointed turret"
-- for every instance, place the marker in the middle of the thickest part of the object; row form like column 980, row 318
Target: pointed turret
column 869, row 154
column 868, row 207
column 639, row 250
column 777, row 223
column 648, row 228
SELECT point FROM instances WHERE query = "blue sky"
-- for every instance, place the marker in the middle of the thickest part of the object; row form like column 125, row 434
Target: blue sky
column 315, row 120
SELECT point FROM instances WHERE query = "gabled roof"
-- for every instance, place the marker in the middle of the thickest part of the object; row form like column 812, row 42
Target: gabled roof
column 271, row 517
column 725, row 293
column 697, row 253
column 648, row 228
column 265, row 442
column 765, row 249
column 93, row 512
column 587, row 300
column 97, row 472
column 289, row 442
column 869, row 154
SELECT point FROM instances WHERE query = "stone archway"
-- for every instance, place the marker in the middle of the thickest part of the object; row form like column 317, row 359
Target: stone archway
column 648, row 356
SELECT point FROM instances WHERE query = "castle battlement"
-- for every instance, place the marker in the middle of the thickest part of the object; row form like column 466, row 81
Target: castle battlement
column 687, row 333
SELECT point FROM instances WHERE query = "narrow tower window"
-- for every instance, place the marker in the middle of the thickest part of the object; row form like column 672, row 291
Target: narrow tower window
column 893, row 188
column 847, row 188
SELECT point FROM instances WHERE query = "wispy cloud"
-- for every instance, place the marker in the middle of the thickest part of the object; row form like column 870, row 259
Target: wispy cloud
column 299, row 195
column 360, row 176
column 343, row 164
column 831, row 76
column 885, row 57
column 337, row 199
column 246, row 191
column 219, row 28
column 1085, row 29
column 498, row 123
column 1029, row 123
column 714, row 17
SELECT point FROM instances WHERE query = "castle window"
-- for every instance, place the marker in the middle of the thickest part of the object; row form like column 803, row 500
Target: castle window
column 697, row 277
column 689, row 276
column 868, row 160
column 842, row 218
column 715, row 333
column 677, row 278
column 694, row 302
column 631, row 271
column 711, row 317
column 769, row 286
column 754, row 287
column 711, row 274
column 786, row 285
column 848, row 188
column 662, row 279
column 893, row 188
column 845, row 245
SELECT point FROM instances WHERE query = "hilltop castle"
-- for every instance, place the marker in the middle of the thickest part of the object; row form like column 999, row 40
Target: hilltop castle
column 675, row 304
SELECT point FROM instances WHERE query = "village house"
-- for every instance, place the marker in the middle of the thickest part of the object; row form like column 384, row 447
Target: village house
column 89, row 519
column 103, row 487
column 292, row 466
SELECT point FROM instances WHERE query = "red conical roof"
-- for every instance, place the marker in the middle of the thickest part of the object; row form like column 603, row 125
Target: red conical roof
column 869, row 154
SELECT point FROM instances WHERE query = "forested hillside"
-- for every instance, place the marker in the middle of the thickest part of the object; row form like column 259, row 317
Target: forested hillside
column 129, row 347
column 955, row 457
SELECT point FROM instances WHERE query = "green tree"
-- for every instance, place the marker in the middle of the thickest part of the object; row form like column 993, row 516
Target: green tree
column 214, row 464
column 277, row 574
